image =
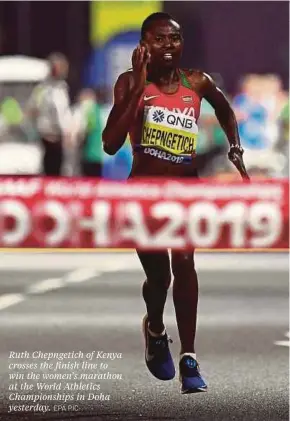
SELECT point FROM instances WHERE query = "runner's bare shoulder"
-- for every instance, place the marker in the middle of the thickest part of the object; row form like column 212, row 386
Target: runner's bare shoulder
column 199, row 80
column 126, row 79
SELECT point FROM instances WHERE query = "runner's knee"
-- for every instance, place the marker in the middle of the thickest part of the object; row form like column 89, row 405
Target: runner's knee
column 161, row 277
column 182, row 264
column 157, row 268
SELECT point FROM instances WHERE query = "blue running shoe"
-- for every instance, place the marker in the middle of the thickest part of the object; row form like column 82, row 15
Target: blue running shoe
column 157, row 354
column 190, row 377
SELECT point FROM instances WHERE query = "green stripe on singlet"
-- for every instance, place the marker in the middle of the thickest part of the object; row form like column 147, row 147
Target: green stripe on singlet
column 184, row 81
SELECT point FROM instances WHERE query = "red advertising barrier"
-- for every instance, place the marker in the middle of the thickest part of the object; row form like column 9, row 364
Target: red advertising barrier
column 144, row 213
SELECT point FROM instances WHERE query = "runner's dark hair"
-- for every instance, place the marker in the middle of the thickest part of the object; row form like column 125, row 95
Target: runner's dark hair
column 153, row 18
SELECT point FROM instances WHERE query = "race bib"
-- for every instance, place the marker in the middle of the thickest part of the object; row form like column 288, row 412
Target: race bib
column 169, row 131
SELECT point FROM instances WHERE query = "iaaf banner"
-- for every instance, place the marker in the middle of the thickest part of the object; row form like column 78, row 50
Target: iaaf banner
column 143, row 213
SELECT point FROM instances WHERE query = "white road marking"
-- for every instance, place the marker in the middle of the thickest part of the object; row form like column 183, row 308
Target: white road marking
column 8, row 300
column 82, row 267
column 284, row 343
column 46, row 285
column 81, row 275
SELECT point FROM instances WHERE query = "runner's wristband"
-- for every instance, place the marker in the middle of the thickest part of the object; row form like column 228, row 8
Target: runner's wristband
column 236, row 148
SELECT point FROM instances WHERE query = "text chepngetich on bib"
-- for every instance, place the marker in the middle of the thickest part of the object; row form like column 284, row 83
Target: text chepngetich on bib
column 169, row 131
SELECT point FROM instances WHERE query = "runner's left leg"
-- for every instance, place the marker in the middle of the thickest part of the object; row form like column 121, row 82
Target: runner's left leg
column 185, row 298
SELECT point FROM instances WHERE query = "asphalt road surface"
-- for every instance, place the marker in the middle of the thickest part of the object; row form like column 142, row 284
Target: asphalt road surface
column 60, row 303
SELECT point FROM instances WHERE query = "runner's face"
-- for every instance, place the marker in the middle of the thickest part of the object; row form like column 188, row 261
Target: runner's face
column 165, row 43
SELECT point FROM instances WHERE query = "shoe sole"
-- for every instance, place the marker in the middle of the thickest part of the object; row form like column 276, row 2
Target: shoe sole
column 193, row 390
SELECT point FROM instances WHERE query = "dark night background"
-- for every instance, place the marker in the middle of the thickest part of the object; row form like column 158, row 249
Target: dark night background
column 229, row 38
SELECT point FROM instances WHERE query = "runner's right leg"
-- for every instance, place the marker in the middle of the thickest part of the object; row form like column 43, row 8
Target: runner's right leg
column 158, row 359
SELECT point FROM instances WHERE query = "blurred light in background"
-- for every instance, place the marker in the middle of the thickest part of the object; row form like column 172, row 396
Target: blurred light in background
column 255, row 80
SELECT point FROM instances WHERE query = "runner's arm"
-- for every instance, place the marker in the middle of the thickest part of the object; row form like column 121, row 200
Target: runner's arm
column 227, row 119
column 223, row 110
column 123, row 113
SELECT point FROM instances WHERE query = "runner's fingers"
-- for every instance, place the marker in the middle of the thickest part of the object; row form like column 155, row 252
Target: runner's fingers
column 142, row 52
column 134, row 57
column 137, row 58
column 147, row 57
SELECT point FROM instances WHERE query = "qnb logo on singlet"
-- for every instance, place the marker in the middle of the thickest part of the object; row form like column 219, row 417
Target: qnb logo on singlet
column 172, row 131
column 158, row 116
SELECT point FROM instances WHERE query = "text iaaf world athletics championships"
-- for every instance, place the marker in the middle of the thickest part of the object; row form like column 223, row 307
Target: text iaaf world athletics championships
column 17, row 187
